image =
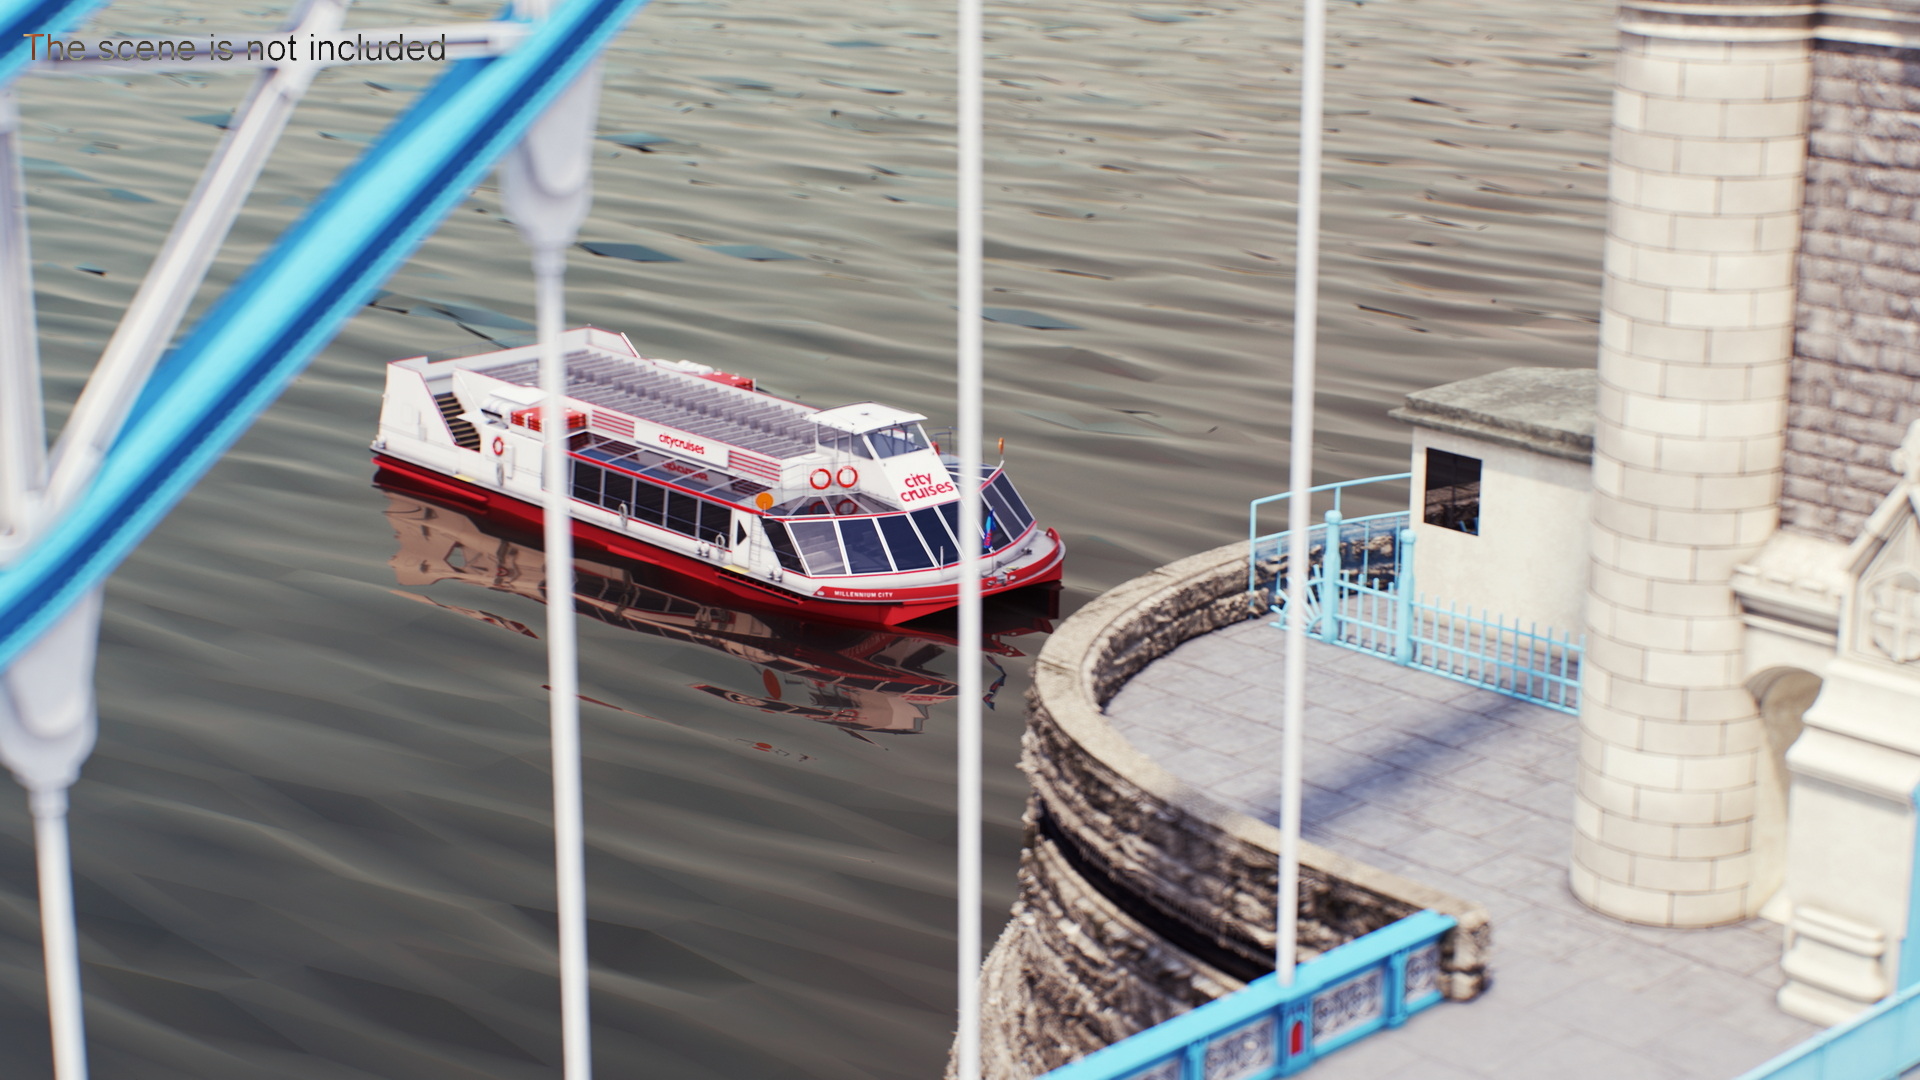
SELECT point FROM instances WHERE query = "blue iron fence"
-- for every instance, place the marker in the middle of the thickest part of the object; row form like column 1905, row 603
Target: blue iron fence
column 1267, row 1030
column 1367, row 602
column 1879, row 1044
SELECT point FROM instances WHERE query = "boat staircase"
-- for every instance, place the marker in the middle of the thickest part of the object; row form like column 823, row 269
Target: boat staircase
column 462, row 429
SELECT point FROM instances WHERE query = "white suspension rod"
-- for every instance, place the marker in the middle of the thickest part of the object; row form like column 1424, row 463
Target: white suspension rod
column 23, row 437
column 546, row 185
column 563, row 674
column 970, row 285
column 1306, row 307
column 59, row 939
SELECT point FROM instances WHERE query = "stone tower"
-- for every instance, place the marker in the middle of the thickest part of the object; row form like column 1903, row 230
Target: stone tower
column 1709, row 149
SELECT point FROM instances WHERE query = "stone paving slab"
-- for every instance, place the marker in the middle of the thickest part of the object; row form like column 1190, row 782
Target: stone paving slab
column 1471, row 792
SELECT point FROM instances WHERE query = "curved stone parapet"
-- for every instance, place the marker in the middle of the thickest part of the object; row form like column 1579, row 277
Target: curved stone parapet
column 1141, row 896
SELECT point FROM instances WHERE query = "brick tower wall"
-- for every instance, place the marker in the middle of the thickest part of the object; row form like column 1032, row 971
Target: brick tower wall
column 1856, row 365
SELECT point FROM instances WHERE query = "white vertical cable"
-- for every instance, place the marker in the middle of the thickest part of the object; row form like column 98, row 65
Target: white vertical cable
column 1306, row 306
column 23, row 440
column 47, row 729
column 59, row 939
column 967, row 1046
column 47, row 718
column 546, row 186
column 563, row 674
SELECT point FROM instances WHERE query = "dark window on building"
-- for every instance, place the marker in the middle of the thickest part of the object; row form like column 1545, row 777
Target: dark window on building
column 1453, row 491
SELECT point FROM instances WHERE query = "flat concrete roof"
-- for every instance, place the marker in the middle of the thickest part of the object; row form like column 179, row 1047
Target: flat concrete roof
column 1545, row 410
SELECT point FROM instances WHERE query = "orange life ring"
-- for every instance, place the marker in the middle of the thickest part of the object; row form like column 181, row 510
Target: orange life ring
column 499, row 446
column 841, row 476
column 820, row 479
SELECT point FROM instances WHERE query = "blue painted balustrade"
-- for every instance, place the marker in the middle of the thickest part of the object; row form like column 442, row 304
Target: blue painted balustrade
column 1268, row 1030
column 1879, row 1044
column 18, row 18
column 1361, row 595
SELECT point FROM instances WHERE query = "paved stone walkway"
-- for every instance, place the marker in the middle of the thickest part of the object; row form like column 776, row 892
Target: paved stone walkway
column 1471, row 792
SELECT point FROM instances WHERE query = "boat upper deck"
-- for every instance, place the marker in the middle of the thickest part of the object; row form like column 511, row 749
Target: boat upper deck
column 682, row 400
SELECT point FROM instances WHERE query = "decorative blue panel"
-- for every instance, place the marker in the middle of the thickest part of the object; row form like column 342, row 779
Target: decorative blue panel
column 1423, row 972
column 1243, row 1052
column 1166, row 1070
column 1352, row 1004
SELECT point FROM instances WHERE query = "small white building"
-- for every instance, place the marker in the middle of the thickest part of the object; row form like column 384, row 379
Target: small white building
column 1502, row 494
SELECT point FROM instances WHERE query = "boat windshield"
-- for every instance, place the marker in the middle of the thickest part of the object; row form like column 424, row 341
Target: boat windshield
column 898, row 542
column 840, row 442
column 898, row 439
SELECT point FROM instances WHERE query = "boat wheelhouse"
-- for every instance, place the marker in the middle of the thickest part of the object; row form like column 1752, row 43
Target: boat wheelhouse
column 849, row 512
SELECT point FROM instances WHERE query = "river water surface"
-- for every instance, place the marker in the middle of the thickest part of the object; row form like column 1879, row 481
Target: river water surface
column 313, row 841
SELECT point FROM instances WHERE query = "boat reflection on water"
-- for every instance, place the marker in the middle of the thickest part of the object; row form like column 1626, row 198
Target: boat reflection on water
column 857, row 678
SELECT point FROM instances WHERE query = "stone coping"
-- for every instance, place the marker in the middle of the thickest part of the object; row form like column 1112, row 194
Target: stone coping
column 1181, row 851
column 1546, row 410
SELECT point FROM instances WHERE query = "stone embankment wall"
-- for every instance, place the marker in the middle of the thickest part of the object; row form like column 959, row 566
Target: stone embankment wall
column 1142, row 897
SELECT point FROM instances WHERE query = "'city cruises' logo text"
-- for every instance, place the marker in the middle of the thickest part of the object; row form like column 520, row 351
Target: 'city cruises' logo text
column 682, row 444
column 921, row 486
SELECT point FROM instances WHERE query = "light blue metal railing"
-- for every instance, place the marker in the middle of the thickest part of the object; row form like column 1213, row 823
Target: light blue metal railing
column 1879, row 1044
column 1268, row 1030
column 1270, row 543
column 1496, row 653
column 1368, row 602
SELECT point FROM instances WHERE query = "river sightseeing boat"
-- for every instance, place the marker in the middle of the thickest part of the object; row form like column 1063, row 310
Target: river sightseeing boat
column 848, row 513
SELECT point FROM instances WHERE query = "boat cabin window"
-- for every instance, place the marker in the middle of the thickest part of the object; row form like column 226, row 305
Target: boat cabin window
column 839, row 442
column 898, row 439
column 635, row 498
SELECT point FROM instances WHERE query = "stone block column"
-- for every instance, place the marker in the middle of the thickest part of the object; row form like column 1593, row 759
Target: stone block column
column 1709, row 145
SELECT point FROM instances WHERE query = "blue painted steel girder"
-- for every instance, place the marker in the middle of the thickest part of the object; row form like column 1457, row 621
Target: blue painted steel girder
column 19, row 18
column 268, row 327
